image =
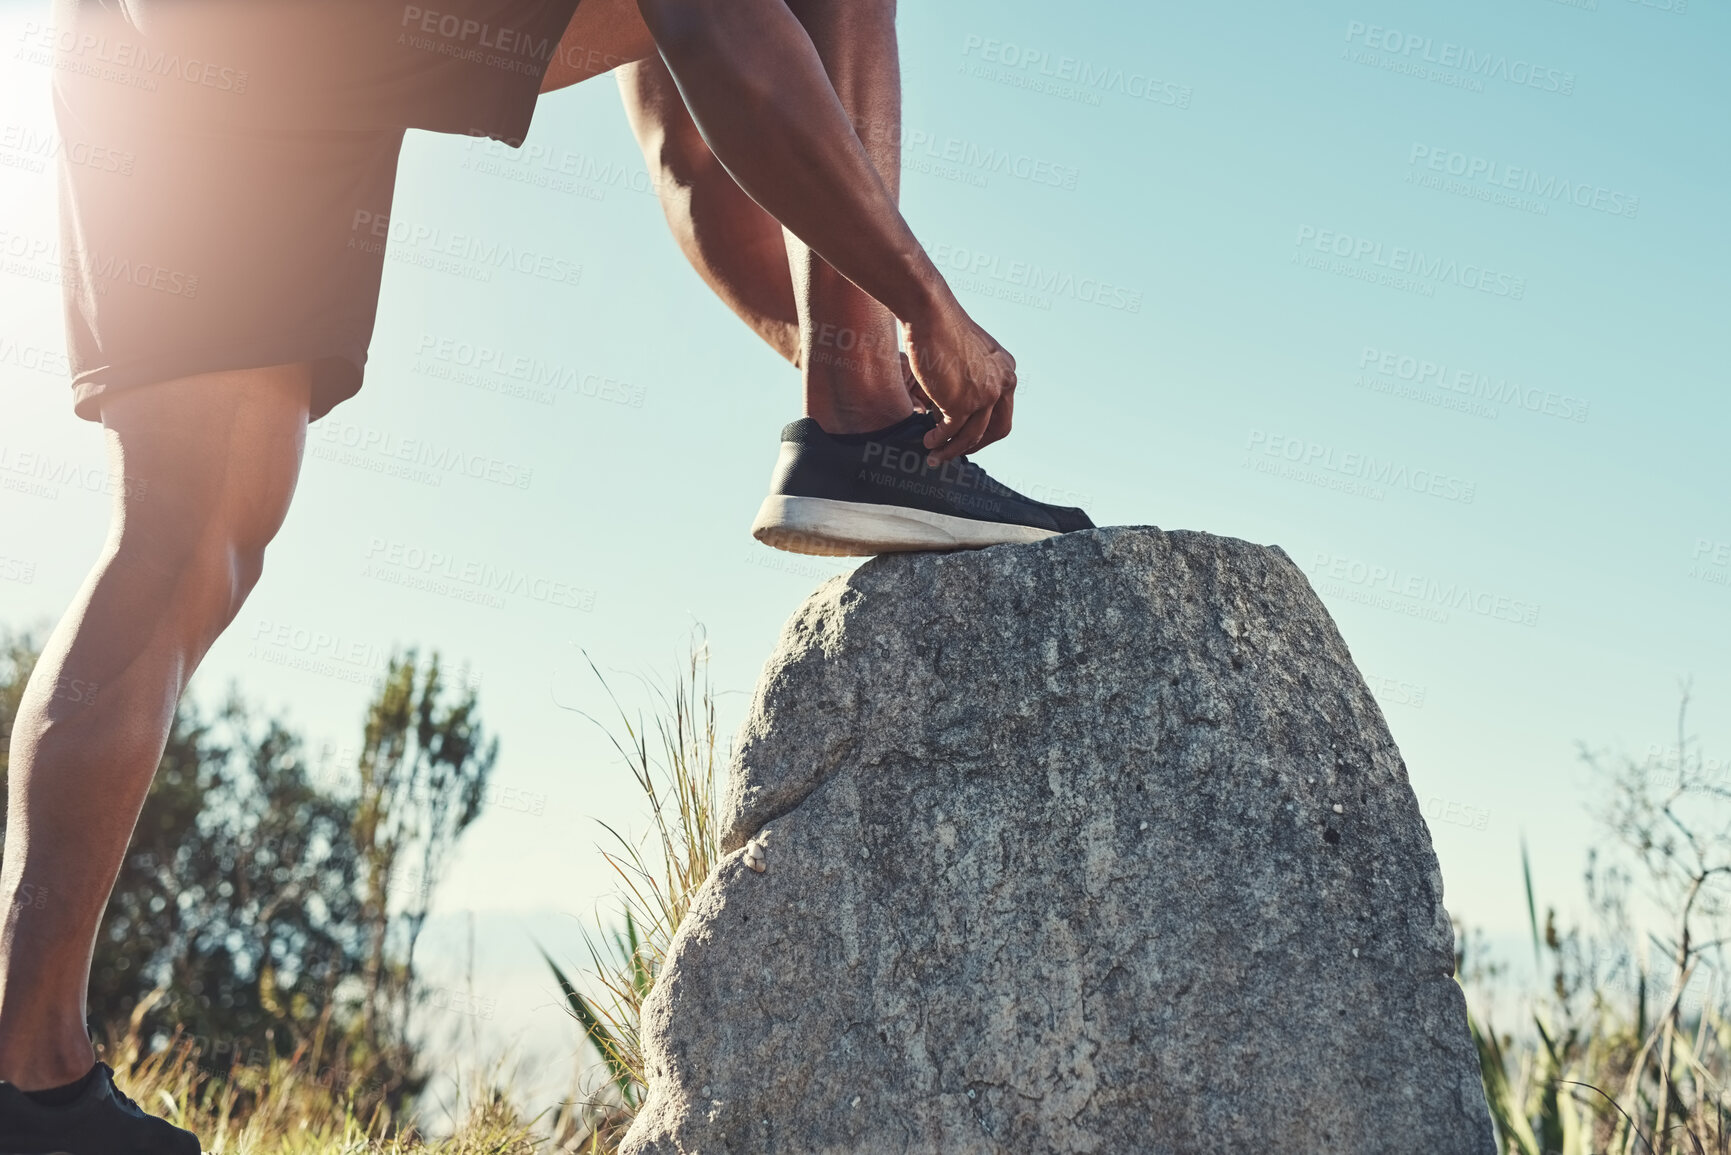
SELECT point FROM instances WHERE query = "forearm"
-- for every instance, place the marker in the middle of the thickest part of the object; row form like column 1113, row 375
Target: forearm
column 758, row 92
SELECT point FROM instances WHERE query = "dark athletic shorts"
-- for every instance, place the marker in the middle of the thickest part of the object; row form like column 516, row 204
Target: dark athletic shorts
column 227, row 169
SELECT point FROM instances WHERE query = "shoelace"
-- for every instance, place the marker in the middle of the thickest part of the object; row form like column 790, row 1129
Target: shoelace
column 124, row 1099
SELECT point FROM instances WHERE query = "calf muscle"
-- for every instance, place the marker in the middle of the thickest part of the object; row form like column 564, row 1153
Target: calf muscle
column 206, row 468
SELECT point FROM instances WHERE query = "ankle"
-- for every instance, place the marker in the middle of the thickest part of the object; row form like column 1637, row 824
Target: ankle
column 860, row 397
column 858, row 410
column 42, row 1066
column 842, row 426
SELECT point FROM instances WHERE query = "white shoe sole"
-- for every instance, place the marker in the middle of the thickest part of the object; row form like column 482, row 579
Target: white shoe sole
column 829, row 528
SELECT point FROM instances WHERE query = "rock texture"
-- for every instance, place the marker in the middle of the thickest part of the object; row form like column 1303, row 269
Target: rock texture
column 1094, row 845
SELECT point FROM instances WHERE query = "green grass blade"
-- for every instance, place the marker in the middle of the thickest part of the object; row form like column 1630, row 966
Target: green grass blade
column 640, row 980
column 1511, row 1124
column 602, row 1039
column 1532, row 907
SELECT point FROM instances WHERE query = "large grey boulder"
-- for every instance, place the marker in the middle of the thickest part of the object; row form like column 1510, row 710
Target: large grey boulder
column 1094, row 845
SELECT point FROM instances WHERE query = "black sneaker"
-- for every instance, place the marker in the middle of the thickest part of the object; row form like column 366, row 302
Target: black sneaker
column 100, row 1121
column 856, row 494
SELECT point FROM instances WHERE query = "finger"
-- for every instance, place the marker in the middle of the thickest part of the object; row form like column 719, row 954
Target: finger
column 949, row 424
column 966, row 440
column 1002, row 413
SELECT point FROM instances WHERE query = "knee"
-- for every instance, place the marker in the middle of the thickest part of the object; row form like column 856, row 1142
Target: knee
column 197, row 554
column 680, row 157
column 245, row 566
column 200, row 568
column 673, row 149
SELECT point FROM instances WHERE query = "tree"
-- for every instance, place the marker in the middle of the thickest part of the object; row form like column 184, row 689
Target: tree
column 260, row 906
column 424, row 768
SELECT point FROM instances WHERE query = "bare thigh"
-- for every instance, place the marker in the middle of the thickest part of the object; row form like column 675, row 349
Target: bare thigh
column 602, row 35
column 209, row 466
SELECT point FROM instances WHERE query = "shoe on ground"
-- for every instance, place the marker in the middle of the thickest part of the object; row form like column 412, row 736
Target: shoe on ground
column 854, row 495
column 100, row 1121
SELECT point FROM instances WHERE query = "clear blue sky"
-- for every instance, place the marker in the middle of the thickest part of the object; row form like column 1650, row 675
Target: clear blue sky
column 1432, row 296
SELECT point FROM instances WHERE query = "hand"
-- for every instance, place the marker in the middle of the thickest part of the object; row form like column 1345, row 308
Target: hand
column 963, row 373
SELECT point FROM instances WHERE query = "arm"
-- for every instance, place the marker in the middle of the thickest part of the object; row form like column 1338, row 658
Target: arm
column 759, row 94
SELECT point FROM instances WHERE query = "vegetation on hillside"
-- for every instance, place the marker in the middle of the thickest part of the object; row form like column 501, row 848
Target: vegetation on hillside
column 268, row 907
column 675, row 762
column 1628, row 1048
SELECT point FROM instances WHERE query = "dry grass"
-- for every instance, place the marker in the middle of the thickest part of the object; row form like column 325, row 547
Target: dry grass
column 292, row 1107
column 659, row 876
column 1629, row 1050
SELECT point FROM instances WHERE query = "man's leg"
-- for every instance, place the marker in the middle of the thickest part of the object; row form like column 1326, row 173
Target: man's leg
column 736, row 247
column 844, row 342
column 849, row 354
column 209, row 465
column 733, row 244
